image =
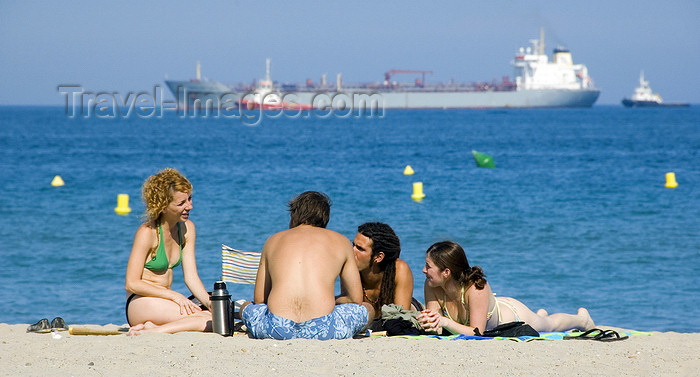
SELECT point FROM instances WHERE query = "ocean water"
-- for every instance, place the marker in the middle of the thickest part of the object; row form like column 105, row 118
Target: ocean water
column 575, row 214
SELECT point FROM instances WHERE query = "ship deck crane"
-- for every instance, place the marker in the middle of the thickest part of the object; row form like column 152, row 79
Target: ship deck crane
column 387, row 75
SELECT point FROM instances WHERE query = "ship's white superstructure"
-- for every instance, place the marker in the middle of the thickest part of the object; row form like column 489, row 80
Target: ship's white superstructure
column 265, row 93
column 534, row 71
column 644, row 93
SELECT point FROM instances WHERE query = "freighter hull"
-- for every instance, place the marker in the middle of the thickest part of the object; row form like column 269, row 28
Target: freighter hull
column 476, row 100
column 215, row 93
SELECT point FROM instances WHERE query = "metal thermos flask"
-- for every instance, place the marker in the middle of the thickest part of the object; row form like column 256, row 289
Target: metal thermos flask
column 221, row 309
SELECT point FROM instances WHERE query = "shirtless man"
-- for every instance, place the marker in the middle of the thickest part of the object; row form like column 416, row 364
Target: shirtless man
column 386, row 279
column 294, row 288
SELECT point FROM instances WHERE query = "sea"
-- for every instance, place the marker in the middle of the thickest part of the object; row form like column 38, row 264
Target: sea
column 575, row 214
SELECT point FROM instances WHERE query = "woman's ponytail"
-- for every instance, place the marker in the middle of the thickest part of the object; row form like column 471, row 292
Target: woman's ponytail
column 476, row 276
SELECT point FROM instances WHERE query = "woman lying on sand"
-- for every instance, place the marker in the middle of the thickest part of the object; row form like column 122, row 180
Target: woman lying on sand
column 459, row 300
column 162, row 243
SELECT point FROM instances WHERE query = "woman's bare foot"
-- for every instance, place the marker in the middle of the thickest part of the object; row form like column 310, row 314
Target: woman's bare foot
column 588, row 321
column 141, row 328
column 542, row 313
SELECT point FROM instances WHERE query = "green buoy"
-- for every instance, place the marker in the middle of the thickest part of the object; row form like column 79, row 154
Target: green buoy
column 483, row 160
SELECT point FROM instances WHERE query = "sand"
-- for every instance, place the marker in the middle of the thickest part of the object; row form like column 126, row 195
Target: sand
column 188, row 354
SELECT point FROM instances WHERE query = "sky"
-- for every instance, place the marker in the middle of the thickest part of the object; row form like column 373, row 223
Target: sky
column 131, row 46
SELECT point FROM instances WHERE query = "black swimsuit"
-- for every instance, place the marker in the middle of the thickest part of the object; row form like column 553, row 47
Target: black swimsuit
column 126, row 310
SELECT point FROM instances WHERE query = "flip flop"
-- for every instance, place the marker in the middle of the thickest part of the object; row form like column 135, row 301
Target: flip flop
column 599, row 335
column 610, row 336
column 591, row 334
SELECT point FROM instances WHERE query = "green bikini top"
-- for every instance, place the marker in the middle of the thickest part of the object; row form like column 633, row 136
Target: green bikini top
column 160, row 261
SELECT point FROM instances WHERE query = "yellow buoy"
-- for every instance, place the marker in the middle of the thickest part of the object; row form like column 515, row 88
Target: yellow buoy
column 408, row 170
column 418, row 194
column 57, row 181
column 671, row 180
column 122, row 204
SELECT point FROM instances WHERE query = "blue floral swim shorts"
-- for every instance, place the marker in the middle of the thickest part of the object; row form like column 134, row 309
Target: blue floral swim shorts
column 343, row 322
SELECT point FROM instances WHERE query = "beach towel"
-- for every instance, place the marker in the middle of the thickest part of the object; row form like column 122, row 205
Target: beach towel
column 238, row 266
column 543, row 336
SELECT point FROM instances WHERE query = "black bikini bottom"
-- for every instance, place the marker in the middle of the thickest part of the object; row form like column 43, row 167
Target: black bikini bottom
column 126, row 309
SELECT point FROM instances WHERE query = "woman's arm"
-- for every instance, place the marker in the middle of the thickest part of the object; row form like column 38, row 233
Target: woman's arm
column 189, row 266
column 478, row 303
column 404, row 285
column 429, row 318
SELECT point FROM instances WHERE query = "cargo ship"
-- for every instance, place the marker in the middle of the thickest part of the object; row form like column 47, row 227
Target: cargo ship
column 644, row 97
column 538, row 82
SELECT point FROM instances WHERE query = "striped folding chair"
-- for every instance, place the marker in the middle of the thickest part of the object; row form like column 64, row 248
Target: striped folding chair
column 239, row 266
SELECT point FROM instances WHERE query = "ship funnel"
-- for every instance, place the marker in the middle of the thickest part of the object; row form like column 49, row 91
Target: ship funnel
column 562, row 56
column 199, row 71
column 267, row 69
column 339, row 80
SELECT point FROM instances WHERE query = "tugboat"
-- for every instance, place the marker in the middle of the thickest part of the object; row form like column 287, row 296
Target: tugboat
column 644, row 97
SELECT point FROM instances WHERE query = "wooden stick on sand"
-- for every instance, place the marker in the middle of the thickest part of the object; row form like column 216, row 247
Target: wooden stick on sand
column 88, row 331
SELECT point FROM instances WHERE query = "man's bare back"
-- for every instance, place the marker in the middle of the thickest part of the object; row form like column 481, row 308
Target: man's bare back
column 295, row 285
column 298, row 269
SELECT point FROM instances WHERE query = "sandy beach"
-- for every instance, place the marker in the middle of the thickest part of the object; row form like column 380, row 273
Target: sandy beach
column 188, row 354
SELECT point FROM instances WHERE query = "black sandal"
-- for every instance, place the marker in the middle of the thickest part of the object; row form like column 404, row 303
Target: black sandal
column 58, row 324
column 42, row 326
